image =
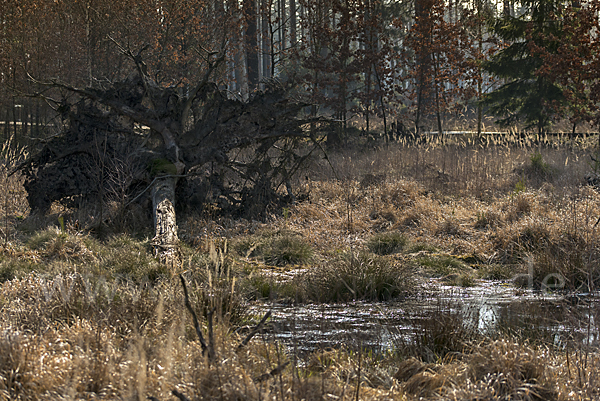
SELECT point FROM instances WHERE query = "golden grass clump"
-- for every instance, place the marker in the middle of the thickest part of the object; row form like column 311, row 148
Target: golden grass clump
column 494, row 370
column 356, row 277
column 66, row 246
column 507, row 370
column 426, row 384
column 516, row 362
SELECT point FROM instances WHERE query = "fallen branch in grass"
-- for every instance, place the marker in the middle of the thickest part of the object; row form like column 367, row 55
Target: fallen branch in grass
column 272, row 373
column 254, row 331
column 188, row 305
column 179, row 395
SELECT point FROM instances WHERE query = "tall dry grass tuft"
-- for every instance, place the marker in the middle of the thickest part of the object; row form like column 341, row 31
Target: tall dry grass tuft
column 13, row 204
column 12, row 363
column 507, row 370
column 356, row 277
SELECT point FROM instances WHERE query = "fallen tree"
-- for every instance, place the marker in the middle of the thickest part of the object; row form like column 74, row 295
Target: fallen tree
column 149, row 144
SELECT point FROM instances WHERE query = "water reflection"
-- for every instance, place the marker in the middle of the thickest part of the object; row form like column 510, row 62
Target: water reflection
column 485, row 309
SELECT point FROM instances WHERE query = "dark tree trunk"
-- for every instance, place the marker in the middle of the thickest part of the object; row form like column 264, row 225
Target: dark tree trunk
column 423, row 58
column 293, row 22
column 282, row 22
column 265, row 37
column 7, row 124
column 251, row 43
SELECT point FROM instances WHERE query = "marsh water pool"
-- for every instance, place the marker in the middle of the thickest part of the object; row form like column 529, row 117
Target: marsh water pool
column 486, row 309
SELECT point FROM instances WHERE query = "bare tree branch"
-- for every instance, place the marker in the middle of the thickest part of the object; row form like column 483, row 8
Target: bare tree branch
column 212, row 66
column 179, row 395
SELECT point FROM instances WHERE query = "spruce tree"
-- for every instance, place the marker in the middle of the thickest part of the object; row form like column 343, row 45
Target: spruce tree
column 525, row 96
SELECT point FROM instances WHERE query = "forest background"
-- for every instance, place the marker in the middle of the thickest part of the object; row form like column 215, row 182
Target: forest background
column 413, row 65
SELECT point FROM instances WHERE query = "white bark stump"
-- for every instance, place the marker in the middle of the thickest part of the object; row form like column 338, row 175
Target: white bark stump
column 165, row 241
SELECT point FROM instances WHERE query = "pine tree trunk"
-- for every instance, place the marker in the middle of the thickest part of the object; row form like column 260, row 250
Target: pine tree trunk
column 165, row 241
column 438, row 113
column 422, row 60
column 479, row 69
column 251, row 43
column 368, row 97
column 240, row 79
column 293, row 22
column 266, row 39
column 437, row 98
column 418, row 111
column 282, row 33
column 7, row 124
column 383, row 113
column 14, row 112
column 25, row 121
column 37, row 119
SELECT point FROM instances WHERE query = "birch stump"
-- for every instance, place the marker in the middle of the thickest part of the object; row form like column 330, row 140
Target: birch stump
column 165, row 241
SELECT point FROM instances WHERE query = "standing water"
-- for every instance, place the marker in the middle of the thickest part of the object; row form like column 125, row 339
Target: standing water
column 489, row 308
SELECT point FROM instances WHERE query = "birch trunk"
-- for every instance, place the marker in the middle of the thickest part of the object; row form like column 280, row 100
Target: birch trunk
column 165, row 241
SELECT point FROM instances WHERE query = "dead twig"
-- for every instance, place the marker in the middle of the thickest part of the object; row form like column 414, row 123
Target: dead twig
column 360, row 356
column 179, row 395
column 188, row 305
column 211, row 340
column 255, row 330
column 272, row 373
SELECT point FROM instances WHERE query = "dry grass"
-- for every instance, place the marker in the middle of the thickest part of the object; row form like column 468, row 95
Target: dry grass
column 504, row 206
column 13, row 204
column 83, row 318
column 356, row 277
column 89, row 357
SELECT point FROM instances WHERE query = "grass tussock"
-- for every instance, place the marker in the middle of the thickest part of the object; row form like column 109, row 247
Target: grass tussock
column 387, row 243
column 347, row 277
column 487, row 219
column 357, row 277
column 509, row 370
column 493, row 370
column 276, row 248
